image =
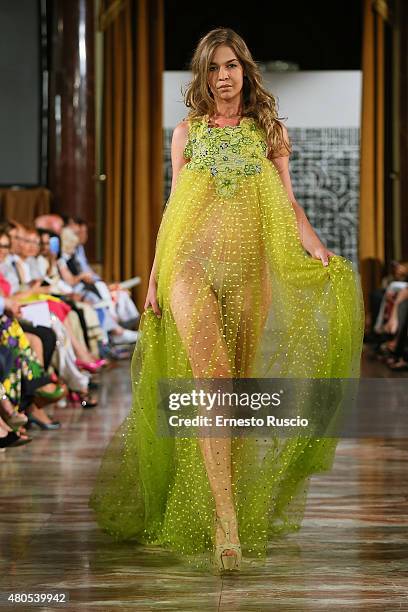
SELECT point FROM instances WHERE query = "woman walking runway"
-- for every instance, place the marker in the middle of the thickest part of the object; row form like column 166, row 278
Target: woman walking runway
column 241, row 287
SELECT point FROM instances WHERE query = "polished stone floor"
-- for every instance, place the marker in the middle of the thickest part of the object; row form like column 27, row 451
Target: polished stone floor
column 351, row 554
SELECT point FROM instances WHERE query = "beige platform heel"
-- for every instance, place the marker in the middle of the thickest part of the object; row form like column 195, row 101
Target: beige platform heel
column 223, row 561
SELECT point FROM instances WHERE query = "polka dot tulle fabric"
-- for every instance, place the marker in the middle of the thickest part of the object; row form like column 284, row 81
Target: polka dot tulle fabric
column 240, row 298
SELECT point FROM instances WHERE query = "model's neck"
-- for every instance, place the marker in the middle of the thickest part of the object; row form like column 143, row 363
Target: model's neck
column 228, row 109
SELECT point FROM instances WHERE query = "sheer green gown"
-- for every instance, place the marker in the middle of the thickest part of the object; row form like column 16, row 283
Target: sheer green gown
column 240, row 297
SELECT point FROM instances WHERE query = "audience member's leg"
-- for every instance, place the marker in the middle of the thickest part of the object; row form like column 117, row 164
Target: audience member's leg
column 80, row 316
column 47, row 337
column 401, row 335
column 36, row 347
column 375, row 300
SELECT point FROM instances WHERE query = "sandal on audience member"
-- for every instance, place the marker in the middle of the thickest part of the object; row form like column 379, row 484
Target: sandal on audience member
column 13, row 439
column 85, row 399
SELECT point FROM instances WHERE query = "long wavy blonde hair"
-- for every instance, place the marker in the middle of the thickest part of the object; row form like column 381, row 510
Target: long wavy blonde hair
column 257, row 102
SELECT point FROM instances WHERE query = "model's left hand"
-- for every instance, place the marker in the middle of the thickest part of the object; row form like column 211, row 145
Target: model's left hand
column 323, row 254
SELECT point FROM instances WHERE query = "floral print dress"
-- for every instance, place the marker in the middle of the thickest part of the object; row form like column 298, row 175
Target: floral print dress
column 25, row 374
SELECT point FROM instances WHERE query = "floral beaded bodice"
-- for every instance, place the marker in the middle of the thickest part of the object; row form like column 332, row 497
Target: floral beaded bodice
column 228, row 154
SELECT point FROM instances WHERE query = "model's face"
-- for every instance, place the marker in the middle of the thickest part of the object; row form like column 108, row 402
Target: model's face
column 225, row 74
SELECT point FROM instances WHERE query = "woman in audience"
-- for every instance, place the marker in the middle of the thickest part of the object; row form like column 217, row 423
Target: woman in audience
column 12, row 431
column 25, row 384
column 64, row 358
column 71, row 274
column 118, row 335
column 71, row 320
column 41, row 338
column 27, row 244
column 88, row 318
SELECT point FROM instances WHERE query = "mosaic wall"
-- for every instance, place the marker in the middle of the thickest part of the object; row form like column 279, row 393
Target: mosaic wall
column 324, row 168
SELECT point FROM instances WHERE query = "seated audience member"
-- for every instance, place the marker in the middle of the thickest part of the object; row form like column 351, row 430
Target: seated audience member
column 397, row 272
column 24, row 382
column 64, row 359
column 52, row 223
column 121, row 304
column 397, row 282
column 395, row 349
column 82, row 282
column 389, row 311
column 51, row 265
column 93, row 335
column 47, row 265
column 41, row 338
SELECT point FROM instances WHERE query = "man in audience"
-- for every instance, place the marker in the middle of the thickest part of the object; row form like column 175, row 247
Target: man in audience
column 52, row 223
column 96, row 292
column 121, row 304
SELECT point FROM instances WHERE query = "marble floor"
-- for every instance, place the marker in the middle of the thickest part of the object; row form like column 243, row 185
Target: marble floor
column 351, row 554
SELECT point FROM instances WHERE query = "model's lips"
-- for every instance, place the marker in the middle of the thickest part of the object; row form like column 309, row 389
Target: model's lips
column 224, row 86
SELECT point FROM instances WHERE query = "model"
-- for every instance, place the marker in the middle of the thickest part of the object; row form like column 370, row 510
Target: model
column 241, row 287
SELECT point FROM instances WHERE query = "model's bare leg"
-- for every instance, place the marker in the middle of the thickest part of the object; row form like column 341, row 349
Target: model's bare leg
column 196, row 312
column 251, row 303
column 254, row 302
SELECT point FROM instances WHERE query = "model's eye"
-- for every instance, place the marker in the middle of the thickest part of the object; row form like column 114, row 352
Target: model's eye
column 212, row 68
column 232, row 65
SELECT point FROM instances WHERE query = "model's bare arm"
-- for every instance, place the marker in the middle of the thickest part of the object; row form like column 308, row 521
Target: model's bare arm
column 308, row 237
column 178, row 143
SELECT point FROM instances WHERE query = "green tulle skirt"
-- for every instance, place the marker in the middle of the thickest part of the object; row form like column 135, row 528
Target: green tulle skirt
column 241, row 298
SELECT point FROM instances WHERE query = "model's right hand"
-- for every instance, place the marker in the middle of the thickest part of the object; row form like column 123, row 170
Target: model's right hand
column 151, row 298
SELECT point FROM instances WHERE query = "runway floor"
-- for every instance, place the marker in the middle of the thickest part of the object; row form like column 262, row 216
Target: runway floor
column 351, row 554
